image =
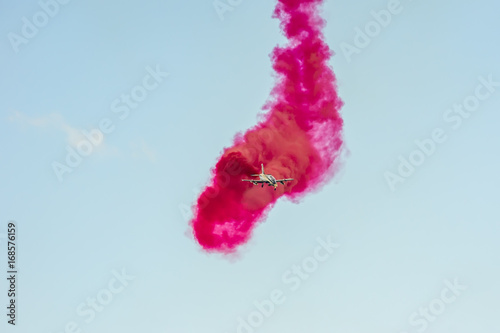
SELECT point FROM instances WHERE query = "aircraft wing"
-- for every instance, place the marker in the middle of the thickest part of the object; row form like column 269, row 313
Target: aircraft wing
column 254, row 181
column 282, row 181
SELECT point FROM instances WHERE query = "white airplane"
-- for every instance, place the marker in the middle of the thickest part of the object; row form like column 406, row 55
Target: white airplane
column 269, row 179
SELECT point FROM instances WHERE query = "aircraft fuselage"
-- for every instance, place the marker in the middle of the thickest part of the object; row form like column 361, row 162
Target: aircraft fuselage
column 267, row 179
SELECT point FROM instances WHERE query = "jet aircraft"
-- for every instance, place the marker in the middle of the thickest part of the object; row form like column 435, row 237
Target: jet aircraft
column 269, row 179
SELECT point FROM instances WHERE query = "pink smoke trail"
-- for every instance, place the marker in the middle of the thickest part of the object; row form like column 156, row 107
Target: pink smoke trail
column 300, row 136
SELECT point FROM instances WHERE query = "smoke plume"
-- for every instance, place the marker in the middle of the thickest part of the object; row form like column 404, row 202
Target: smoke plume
column 299, row 137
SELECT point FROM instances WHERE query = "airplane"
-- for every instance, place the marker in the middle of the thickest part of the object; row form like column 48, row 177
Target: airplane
column 269, row 179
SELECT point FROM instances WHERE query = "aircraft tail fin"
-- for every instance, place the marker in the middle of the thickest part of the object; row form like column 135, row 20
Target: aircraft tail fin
column 262, row 168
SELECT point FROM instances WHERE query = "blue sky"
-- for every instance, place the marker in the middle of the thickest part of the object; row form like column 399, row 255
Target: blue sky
column 107, row 247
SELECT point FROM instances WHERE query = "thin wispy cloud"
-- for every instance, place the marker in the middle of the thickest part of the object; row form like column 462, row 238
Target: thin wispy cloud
column 52, row 121
column 74, row 135
column 55, row 122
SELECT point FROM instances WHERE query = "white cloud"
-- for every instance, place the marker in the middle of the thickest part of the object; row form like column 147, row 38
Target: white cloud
column 138, row 148
column 55, row 121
